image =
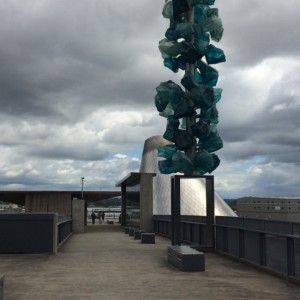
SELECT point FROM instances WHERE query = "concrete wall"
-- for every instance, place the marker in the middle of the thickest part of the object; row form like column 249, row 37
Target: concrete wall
column 146, row 202
column 56, row 202
column 277, row 209
column 78, row 215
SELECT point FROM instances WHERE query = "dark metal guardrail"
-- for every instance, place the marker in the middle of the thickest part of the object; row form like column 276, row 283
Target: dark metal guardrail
column 64, row 228
column 193, row 228
column 272, row 245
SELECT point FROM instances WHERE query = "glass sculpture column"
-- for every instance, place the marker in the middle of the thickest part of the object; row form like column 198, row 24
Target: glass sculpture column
column 191, row 113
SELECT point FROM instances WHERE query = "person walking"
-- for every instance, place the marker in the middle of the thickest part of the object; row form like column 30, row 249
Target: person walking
column 103, row 215
column 93, row 216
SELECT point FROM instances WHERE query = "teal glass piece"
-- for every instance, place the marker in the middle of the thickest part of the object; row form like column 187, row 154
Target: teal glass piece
column 172, row 128
column 201, row 129
column 184, row 140
column 209, row 75
column 197, row 75
column 175, row 63
column 190, row 54
column 168, row 10
column 206, row 2
column 172, row 92
column 182, row 164
column 171, row 48
column 218, row 94
column 217, row 34
column 183, row 123
column 161, row 103
column 202, row 96
column 166, row 151
column 201, row 12
column 179, row 7
column 171, row 63
column 166, row 167
column 214, row 55
column 172, row 34
column 210, row 114
column 209, row 24
column 188, row 81
column 184, row 110
column 169, row 111
column 205, row 162
column 185, row 29
column 213, row 141
column 213, row 12
column 201, row 42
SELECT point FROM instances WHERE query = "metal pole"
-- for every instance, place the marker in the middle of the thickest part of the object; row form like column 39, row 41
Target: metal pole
column 190, row 68
column 82, row 179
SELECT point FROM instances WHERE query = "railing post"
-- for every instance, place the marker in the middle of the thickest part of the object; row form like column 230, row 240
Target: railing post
column 290, row 256
column 175, row 210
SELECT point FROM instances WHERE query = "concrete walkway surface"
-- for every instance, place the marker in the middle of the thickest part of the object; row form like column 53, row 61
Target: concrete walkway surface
column 104, row 263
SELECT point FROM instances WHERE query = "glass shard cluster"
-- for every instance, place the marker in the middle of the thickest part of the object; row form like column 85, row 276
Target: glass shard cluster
column 191, row 113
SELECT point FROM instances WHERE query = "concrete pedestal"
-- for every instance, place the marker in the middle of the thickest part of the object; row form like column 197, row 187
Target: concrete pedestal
column 131, row 231
column 1, row 286
column 138, row 234
column 186, row 259
column 148, row 238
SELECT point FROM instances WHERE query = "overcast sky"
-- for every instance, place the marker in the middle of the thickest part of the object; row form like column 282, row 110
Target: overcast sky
column 77, row 87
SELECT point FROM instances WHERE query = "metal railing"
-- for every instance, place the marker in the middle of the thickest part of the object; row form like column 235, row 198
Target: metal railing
column 271, row 244
column 64, row 228
column 268, row 244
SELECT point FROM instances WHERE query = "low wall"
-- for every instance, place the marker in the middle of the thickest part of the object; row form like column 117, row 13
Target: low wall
column 28, row 232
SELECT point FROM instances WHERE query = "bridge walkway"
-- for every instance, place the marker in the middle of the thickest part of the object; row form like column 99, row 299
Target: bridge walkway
column 104, row 263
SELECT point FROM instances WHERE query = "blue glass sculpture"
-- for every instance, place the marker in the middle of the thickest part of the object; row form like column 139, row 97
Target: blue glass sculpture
column 187, row 47
column 172, row 128
column 166, row 151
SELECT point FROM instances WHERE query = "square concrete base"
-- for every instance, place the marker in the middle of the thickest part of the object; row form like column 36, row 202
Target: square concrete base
column 186, row 259
column 131, row 231
column 138, row 234
column 126, row 230
column 148, row 238
column 1, row 286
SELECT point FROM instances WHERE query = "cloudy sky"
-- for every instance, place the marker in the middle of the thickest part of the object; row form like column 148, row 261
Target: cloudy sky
column 78, row 78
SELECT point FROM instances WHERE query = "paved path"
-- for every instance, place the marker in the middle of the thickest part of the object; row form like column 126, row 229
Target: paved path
column 104, row 263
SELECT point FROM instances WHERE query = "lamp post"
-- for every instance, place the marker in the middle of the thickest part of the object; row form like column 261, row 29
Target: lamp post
column 82, row 180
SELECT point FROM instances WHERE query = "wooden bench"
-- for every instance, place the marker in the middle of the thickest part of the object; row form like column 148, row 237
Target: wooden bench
column 186, row 258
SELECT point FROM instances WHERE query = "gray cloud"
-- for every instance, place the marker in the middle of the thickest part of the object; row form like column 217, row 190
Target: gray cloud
column 77, row 82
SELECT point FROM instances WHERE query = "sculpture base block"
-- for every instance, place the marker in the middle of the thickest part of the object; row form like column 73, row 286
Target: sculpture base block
column 186, row 259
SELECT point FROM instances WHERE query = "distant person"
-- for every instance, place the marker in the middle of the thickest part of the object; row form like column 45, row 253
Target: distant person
column 100, row 216
column 93, row 216
column 103, row 215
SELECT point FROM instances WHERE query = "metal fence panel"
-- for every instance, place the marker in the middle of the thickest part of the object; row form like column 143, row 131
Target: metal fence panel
column 252, row 249
column 297, row 257
column 233, row 242
column 276, row 253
